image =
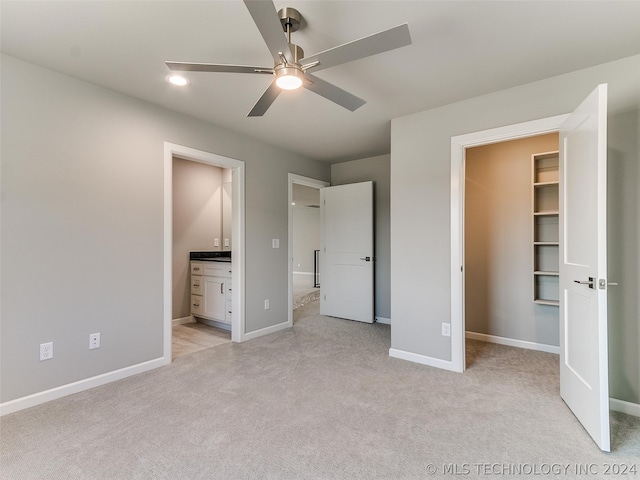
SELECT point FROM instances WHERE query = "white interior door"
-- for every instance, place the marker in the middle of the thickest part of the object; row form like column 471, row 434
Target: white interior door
column 346, row 252
column 584, row 378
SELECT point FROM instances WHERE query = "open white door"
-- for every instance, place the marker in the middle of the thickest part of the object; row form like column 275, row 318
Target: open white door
column 346, row 251
column 584, row 374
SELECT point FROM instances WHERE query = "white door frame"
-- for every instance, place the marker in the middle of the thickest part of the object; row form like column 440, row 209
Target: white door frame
column 308, row 182
column 237, row 236
column 458, row 146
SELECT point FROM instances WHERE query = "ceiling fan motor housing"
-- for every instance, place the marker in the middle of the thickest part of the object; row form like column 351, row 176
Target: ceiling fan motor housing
column 297, row 52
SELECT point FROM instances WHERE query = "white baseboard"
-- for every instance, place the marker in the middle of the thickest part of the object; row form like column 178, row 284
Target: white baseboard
column 215, row 323
column 182, row 321
column 79, row 386
column 512, row 342
column 266, row 331
column 386, row 321
column 422, row 359
column 624, row 407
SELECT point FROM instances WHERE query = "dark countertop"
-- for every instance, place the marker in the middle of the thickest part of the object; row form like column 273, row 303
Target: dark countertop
column 211, row 256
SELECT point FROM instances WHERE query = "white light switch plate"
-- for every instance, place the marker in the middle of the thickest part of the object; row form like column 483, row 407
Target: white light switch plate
column 275, row 243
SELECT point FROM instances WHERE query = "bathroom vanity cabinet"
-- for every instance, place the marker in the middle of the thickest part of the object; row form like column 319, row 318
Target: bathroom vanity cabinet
column 211, row 291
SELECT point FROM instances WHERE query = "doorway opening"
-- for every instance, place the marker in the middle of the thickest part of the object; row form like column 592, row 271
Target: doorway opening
column 459, row 146
column 304, row 240
column 237, row 237
column 511, row 247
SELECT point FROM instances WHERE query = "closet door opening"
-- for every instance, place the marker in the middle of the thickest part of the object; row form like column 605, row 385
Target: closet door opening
column 511, row 244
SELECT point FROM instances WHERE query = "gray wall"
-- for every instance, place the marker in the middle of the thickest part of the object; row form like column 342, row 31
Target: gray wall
column 420, row 206
column 82, row 225
column 197, row 221
column 374, row 169
column 498, row 243
column 306, row 237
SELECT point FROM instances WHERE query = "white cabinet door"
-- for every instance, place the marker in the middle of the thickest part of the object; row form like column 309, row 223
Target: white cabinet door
column 584, row 368
column 214, row 298
column 346, row 255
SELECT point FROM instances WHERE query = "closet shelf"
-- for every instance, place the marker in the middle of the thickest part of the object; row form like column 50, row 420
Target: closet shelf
column 547, row 302
column 545, row 206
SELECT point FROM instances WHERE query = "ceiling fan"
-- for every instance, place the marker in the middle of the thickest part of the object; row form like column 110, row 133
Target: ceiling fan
column 291, row 67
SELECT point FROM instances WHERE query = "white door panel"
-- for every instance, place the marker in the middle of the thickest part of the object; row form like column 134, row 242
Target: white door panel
column 584, row 378
column 346, row 253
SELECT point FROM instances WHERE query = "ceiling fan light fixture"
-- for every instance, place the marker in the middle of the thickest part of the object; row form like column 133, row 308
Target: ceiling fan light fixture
column 288, row 78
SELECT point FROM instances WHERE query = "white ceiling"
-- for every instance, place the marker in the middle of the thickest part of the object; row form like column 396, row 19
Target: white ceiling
column 460, row 49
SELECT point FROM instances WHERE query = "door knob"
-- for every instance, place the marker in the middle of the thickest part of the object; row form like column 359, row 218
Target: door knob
column 586, row 282
column 366, row 259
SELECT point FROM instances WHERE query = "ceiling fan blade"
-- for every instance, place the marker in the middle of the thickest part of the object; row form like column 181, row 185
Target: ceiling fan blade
column 215, row 67
column 380, row 42
column 333, row 93
column 265, row 101
column 265, row 16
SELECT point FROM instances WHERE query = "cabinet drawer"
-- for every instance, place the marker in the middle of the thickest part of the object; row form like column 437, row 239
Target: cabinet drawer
column 196, row 285
column 197, row 268
column 213, row 269
column 196, row 305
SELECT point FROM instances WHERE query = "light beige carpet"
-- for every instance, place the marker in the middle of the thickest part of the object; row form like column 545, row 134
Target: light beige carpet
column 322, row 400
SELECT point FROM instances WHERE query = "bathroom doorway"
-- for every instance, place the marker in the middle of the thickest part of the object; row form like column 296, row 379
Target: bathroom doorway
column 237, row 241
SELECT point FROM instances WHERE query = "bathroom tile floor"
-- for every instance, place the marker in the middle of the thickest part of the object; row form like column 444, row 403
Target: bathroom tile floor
column 192, row 337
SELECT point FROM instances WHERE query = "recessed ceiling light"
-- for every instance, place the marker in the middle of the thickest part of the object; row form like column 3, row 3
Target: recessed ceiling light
column 178, row 80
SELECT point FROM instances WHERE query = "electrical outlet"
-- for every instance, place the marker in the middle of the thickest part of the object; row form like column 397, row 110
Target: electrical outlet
column 94, row 341
column 446, row 329
column 46, row 351
column 226, row 242
column 298, row 265
column 216, row 242
column 266, row 304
